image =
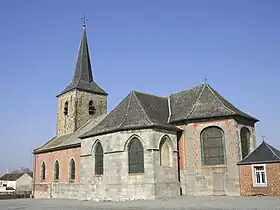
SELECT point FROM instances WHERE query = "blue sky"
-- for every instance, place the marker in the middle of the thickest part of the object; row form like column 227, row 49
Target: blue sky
column 155, row 46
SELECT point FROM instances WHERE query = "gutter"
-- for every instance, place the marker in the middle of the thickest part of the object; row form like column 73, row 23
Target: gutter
column 130, row 128
column 57, row 148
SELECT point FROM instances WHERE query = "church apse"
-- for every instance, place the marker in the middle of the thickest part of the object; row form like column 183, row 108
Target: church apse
column 218, row 175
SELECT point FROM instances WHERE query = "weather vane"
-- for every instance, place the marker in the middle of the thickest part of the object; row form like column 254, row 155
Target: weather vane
column 84, row 18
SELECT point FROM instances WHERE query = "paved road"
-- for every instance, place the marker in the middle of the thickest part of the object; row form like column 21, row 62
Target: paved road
column 191, row 203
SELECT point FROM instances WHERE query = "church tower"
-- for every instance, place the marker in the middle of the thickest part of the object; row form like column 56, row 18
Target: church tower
column 82, row 99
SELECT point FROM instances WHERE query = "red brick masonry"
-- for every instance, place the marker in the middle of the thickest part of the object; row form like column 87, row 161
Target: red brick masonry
column 273, row 181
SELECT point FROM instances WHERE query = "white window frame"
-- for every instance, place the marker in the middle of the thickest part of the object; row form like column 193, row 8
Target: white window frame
column 255, row 184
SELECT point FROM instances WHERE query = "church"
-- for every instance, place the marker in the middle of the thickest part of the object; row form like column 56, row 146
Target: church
column 148, row 146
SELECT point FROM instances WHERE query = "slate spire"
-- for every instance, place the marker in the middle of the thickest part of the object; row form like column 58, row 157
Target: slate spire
column 83, row 66
column 83, row 78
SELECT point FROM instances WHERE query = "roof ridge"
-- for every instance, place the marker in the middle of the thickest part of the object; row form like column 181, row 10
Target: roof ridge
column 185, row 89
column 134, row 92
column 127, row 108
column 210, row 88
column 269, row 147
column 250, row 153
column 149, row 94
column 194, row 106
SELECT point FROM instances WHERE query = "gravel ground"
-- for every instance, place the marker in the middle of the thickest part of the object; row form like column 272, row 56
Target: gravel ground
column 191, row 203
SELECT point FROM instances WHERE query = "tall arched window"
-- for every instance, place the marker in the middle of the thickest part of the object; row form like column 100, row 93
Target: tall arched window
column 66, row 108
column 135, row 156
column 91, row 108
column 72, row 169
column 98, row 159
column 43, row 171
column 165, row 150
column 56, row 170
column 212, row 146
column 245, row 141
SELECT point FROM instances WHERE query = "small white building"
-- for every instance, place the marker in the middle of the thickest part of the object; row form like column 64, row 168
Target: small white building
column 16, row 182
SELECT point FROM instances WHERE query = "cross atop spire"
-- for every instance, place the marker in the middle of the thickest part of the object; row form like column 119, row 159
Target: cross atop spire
column 83, row 78
column 84, row 18
column 205, row 80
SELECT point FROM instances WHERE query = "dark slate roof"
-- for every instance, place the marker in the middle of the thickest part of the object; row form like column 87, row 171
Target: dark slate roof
column 11, row 176
column 69, row 140
column 30, row 174
column 136, row 111
column 201, row 102
column 83, row 79
column 264, row 153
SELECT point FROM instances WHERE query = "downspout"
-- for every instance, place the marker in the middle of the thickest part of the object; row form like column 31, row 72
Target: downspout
column 34, row 175
column 179, row 134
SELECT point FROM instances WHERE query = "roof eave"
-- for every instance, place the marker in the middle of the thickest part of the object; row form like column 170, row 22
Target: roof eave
column 69, row 146
column 258, row 162
column 81, row 89
column 129, row 128
column 207, row 118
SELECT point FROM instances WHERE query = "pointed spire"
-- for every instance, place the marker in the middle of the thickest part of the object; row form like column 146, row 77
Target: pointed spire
column 83, row 66
column 83, row 79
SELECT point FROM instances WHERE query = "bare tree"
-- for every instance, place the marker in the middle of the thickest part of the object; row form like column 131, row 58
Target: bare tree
column 22, row 169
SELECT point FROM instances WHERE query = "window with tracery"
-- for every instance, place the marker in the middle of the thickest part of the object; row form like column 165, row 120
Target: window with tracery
column 43, row 171
column 72, row 169
column 98, row 159
column 245, row 141
column 56, row 170
column 135, row 156
column 212, row 146
column 165, row 156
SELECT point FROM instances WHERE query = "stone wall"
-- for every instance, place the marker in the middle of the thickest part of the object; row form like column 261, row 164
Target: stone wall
column 78, row 115
column 197, row 179
column 273, row 182
column 42, row 191
column 116, row 183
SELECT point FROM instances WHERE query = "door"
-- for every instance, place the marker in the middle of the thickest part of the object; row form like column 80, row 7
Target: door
column 218, row 183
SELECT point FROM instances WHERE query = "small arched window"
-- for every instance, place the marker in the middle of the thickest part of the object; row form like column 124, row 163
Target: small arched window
column 245, row 141
column 212, row 146
column 66, row 108
column 43, row 171
column 135, row 156
column 72, row 169
column 98, row 159
column 56, row 170
column 91, row 108
column 165, row 156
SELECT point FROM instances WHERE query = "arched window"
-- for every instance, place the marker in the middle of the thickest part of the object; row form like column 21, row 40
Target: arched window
column 212, row 146
column 245, row 141
column 56, row 170
column 43, row 171
column 91, row 108
column 72, row 169
column 66, row 108
column 165, row 150
column 98, row 159
column 135, row 157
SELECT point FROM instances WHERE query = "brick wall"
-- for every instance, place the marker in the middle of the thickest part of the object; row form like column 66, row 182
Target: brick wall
column 197, row 179
column 273, row 181
column 63, row 157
